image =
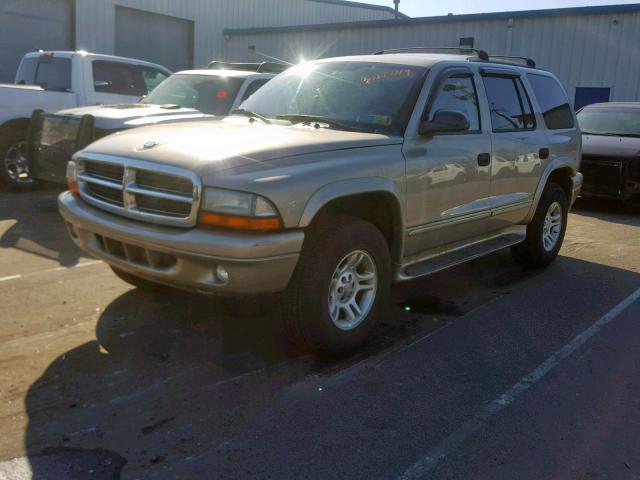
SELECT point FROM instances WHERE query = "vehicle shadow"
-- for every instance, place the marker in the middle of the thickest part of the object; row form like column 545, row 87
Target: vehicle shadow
column 174, row 372
column 37, row 226
column 156, row 357
column 172, row 379
column 609, row 210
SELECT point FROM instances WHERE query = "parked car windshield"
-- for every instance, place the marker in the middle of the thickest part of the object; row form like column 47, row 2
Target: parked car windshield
column 210, row 94
column 366, row 96
column 610, row 121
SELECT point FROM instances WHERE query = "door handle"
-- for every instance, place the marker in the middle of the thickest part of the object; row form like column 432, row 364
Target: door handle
column 484, row 159
column 543, row 153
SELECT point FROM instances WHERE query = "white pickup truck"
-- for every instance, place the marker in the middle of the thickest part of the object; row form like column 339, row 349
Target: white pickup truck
column 59, row 80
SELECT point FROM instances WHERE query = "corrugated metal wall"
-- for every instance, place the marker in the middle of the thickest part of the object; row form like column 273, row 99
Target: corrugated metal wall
column 49, row 23
column 95, row 19
column 586, row 50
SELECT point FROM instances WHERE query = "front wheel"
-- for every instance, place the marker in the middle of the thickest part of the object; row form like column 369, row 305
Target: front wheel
column 340, row 287
column 545, row 233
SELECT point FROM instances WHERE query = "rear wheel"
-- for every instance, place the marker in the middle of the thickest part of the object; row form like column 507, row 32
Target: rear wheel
column 15, row 170
column 340, row 287
column 545, row 233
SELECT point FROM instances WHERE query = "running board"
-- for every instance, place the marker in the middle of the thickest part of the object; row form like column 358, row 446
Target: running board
column 462, row 255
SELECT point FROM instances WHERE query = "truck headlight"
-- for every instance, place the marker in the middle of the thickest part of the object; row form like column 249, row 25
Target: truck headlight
column 72, row 177
column 239, row 210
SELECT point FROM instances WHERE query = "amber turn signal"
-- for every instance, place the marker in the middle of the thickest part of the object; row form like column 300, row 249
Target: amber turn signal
column 258, row 224
column 73, row 187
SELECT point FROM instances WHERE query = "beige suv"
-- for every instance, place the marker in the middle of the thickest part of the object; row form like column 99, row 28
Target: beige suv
column 335, row 179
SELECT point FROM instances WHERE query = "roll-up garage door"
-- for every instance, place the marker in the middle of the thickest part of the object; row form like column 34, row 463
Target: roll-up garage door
column 29, row 25
column 153, row 37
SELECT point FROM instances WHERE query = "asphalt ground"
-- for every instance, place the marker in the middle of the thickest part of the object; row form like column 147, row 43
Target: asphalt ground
column 484, row 371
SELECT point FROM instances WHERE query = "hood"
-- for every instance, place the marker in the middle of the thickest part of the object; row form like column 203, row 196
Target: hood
column 131, row 115
column 229, row 143
column 606, row 146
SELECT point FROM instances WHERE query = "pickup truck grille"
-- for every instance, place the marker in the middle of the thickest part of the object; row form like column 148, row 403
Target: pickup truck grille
column 140, row 190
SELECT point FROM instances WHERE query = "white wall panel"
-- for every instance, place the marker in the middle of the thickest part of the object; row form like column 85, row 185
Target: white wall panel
column 584, row 50
column 95, row 19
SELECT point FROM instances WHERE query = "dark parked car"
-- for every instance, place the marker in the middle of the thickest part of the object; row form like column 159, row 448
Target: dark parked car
column 611, row 150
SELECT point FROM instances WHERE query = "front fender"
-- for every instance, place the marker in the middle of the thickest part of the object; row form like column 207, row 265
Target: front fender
column 344, row 188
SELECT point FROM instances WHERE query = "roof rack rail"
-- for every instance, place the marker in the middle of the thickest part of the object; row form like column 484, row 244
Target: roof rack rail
column 528, row 61
column 263, row 67
column 481, row 54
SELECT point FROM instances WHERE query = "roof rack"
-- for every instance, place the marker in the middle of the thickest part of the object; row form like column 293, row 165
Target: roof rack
column 528, row 61
column 481, row 54
column 263, row 67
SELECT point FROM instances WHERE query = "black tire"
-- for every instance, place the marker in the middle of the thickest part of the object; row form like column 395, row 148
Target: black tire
column 139, row 282
column 305, row 303
column 9, row 142
column 532, row 253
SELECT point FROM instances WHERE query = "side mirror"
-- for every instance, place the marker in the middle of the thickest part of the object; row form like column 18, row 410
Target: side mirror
column 445, row 121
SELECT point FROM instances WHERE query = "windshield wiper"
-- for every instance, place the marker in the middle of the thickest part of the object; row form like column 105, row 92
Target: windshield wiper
column 294, row 118
column 250, row 114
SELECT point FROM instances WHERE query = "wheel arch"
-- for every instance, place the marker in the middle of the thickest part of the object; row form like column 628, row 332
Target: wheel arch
column 371, row 199
column 10, row 126
column 560, row 171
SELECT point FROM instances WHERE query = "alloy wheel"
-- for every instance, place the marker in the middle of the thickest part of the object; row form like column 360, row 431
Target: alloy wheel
column 352, row 291
column 16, row 164
column 552, row 226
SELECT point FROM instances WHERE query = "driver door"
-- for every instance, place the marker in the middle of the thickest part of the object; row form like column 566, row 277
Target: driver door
column 448, row 174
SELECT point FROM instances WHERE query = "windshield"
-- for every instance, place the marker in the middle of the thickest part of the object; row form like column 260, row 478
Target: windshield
column 367, row 96
column 210, row 94
column 610, row 121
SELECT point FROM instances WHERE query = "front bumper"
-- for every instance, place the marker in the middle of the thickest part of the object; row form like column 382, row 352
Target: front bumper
column 186, row 259
column 611, row 177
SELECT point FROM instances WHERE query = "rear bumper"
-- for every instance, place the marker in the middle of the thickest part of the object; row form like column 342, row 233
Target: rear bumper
column 186, row 259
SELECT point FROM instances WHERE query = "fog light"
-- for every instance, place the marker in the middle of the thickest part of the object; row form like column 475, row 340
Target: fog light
column 222, row 274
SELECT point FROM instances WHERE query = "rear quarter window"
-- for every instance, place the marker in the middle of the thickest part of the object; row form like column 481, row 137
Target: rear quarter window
column 50, row 73
column 553, row 102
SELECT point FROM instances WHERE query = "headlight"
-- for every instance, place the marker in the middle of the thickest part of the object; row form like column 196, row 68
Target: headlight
column 72, row 177
column 241, row 210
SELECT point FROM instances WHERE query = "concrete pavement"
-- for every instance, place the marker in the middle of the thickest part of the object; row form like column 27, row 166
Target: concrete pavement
column 99, row 380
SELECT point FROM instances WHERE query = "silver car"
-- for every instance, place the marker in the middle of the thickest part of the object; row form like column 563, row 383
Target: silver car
column 335, row 179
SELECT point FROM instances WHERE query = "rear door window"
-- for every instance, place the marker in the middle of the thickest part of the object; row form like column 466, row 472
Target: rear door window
column 553, row 101
column 118, row 78
column 509, row 104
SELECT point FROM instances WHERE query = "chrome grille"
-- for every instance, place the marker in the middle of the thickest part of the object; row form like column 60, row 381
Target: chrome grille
column 105, row 171
column 139, row 189
column 105, row 194
column 157, row 181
